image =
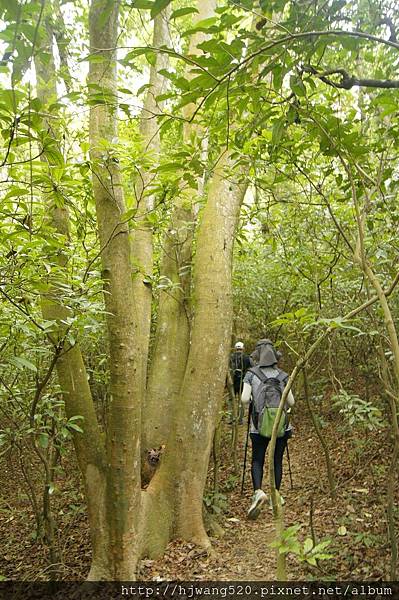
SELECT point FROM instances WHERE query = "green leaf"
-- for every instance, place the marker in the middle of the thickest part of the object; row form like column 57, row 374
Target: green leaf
column 36, row 104
column 22, row 363
column 16, row 192
column 159, row 6
column 75, row 427
column 319, row 547
column 295, row 547
column 205, row 23
column 54, row 156
column 11, row 98
column 297, row 85
column 181, row 12
column 143, row 88
column 308, row 545
column 136, row 52
column 170, row 167
column 278, row 130
column 167, row 74
column 151, row 58
column 29, row 31
column 142, row 4
column 278, row 74
column 43, row 440
column 206, row 26
column 202, row 82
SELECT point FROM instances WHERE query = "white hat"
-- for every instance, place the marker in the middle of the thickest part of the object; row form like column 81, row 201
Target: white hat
column 239, row 346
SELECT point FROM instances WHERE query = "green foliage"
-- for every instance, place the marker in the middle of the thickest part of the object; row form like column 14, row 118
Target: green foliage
column 365, row 538
column 155, row 6
column 231, row 482
column 303, row 317
column 358, row 412
column 216, row 502
column 305, row 552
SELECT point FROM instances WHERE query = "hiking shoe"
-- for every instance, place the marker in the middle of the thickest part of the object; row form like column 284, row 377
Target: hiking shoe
column 258, row 499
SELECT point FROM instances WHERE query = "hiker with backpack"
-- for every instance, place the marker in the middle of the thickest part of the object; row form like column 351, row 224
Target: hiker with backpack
column 239, row 364
column 263, row 387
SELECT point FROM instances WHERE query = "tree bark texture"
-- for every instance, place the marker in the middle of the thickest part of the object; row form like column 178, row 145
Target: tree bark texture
column 70, row 366
column 172, row 337
column 180, row 480
column 142, row 242
column 172, row 334
column 123, row 422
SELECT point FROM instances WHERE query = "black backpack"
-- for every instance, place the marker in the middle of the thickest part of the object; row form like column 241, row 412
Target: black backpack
column 265, row 403
column 237, row 364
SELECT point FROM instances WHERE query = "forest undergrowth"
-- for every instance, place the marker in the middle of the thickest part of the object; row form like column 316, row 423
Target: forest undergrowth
column 354, row 520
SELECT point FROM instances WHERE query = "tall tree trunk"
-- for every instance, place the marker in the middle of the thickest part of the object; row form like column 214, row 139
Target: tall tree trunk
column 172, row 338
column 179, row 483
column 123, row 424
column 173, row 331
column 70, row 367
column 142, row 242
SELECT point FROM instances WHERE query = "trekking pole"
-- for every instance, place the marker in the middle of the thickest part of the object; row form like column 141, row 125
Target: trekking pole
column 246, row 450
column 289, row 466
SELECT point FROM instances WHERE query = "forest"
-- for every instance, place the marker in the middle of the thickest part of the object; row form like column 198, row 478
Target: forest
column 180, row 179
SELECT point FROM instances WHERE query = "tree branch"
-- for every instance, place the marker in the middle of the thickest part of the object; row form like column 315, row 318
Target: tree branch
column 388, row 21
column 346, row 81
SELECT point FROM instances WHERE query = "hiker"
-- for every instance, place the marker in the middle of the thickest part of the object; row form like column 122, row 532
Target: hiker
column 239, row 364
column 265, row 384
column 255, row 355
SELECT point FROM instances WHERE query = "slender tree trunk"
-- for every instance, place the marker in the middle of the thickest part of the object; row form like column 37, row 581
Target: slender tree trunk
column 234, row 400
column 394, row 405
column 50, row 526
column 70, row 366
column 142, row 242
column 330, row 472
column 124, row 422
column 361, row 259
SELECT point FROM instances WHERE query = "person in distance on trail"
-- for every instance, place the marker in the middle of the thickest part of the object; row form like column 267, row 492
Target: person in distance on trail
column 265, row 384
column 239, row 364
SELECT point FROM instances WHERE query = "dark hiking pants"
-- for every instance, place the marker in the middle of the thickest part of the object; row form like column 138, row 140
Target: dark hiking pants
column 259, row 447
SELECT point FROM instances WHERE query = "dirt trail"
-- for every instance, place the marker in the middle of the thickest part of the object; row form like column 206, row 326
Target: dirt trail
column 242, row 553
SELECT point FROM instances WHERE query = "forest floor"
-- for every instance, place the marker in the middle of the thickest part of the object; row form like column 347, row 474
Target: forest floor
column 354, row 521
